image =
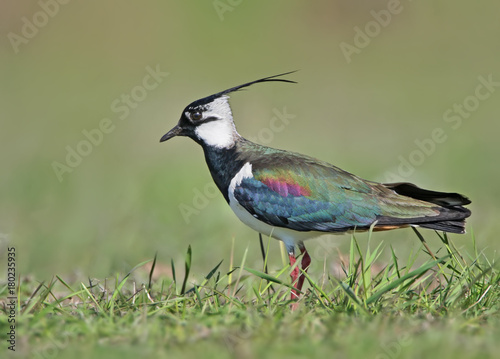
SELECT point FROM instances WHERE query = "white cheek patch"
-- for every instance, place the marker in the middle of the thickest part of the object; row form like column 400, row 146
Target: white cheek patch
column 218, row 133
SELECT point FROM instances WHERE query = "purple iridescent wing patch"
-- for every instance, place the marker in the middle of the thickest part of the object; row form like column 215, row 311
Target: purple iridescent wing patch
column 286, row 187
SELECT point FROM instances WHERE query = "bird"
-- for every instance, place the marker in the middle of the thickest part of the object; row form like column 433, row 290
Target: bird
column 293, row 197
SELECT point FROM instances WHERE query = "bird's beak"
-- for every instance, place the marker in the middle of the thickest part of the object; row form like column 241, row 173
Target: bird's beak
column 177, row 130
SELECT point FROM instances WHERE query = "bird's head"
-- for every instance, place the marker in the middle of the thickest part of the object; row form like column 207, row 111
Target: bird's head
column 209, row 121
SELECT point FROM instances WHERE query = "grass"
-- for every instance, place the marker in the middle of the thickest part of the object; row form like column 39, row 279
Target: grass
column 448, row 306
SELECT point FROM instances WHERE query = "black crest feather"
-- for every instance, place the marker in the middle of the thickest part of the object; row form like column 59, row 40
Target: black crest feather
column 265, row 79
column 236, row 88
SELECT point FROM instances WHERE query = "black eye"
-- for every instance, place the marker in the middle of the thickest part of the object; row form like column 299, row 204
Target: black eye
column 196, row 116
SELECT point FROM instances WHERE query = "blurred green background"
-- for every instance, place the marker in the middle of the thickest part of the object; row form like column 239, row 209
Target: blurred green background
column 362, row 112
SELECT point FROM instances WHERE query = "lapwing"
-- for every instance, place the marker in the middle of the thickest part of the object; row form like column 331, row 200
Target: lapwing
column 293, row 197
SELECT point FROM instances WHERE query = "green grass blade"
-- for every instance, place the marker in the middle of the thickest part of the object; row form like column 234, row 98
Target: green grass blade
column 188, row 269
column 263, row 275
column 151, row 271
column 212, row 272
column 350, row 293
column 267, row 277
column 172, row 265
column 395, row 262
column 92, row 298
column 413, row 274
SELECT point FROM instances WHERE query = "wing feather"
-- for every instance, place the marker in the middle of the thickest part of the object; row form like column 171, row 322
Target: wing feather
column 305, row 194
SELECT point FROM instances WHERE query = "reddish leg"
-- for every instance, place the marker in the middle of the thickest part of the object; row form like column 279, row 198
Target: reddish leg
column 306, row 261
column 294, row 275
